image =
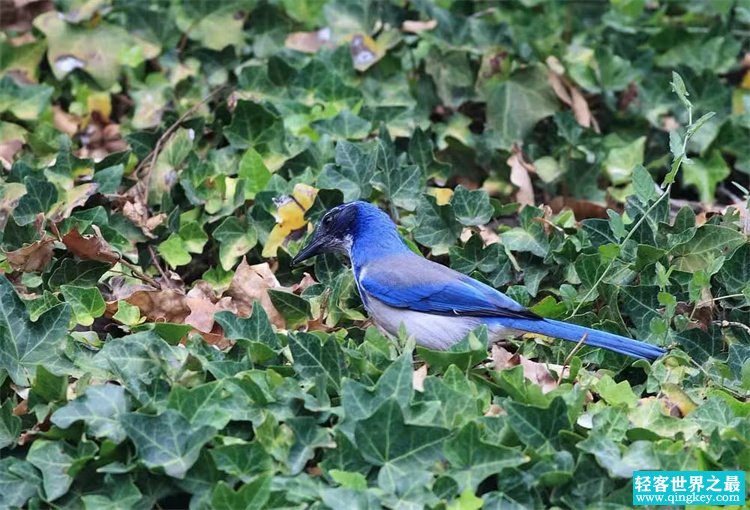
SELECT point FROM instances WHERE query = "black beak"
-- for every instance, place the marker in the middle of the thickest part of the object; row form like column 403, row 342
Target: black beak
column 314, row 247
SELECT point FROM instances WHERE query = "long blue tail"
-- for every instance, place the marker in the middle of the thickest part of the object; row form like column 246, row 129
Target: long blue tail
column 596, row 338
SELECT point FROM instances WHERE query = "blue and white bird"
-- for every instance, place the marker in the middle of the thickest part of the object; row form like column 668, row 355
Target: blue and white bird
column 435, row 304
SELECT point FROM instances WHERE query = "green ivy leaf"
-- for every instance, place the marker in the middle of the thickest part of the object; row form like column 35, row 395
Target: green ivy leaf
column 385, row 439
column 166, row 441
column 86, row 303
column 710, row 241
column 471, row 207
column 437, row 226
column 256, row 328
column 537, row 426
column 99, row 408
column 254, row 171
column 236, row 238
column 706, row 174
column 10, row 425
column 25, row 102
column 19, row 481
column 243, row 460
column 313, row 357
column 54, row 459
column 39, row 197
column 400, row 183
column 24, row 345
column 203, row 405
column 295, row 309
column 472, row 460
column 515, row 105
column 252, row 496
column 255, row 126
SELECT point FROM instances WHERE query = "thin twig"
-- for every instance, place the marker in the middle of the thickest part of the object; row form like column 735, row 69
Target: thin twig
column 152, row 156
column 570, row 357
column 139, row 274
column 640, row 221
column 155, row 262
column 729, row 324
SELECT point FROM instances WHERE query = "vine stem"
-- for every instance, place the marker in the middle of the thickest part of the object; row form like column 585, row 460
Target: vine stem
column 643, row 218
column 627, row 238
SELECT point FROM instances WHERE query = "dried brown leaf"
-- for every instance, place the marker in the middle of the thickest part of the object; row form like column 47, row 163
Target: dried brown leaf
column 33, row 257
column 158, row 305
column 90, row 247
column 204, row 303
column 64, row 121
column 137, row 212
column 416, row 27
column 582, row 209
column 304, row 283
column 519, row 176
column 8, row 150
column 309, row 42
column 580, row 108
column 250, row 284
column 418, row 378
column 533, row 371
column 557, row 84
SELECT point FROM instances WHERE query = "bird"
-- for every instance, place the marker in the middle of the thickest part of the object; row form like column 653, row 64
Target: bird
column 436, row 305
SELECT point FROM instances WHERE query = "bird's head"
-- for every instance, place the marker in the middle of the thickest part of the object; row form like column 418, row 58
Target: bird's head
column 341, row 226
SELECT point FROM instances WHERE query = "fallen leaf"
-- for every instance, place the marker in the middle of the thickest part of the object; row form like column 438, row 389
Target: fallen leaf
column 442, row 195
column 569, row 94
column 8, row 149
column 582, row 209
column 99, row 139
column 581, row 109
column 74, row 197
column 137, row 212
column 121, row 288
column 250, row 284
column 495, row 410
column 306, row 281
column 519, row 176
column 17, row 15
column 561, row 91
column 533, row 371
column 204, row 303
column 157, row 305
column 309, row 42
column 290, row 216
column 365, row 52
column 64, row 121
column 418, row 377
column 90, row 247
column 33, row 257
column 416, row 27
column 488, row 235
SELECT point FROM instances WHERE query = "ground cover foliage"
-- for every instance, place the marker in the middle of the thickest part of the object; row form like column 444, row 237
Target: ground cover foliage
column 163, row 161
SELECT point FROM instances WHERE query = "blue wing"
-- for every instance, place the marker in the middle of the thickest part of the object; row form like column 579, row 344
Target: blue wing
column 412, row 282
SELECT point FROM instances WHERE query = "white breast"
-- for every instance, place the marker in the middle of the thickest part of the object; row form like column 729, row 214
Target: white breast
column 432, row 331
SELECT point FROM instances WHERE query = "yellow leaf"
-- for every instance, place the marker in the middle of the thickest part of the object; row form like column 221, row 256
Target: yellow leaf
column 442, row 195
column 746, row 80
column 290, row 216
column 304, row 195
column 100, row 102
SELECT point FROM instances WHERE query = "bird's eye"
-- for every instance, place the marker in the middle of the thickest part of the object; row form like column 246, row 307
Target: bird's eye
column 328, row 220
